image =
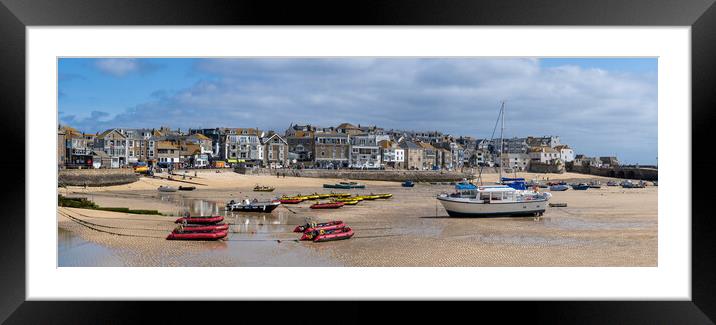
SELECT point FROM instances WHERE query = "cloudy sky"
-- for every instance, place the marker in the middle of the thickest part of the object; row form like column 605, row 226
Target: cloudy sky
column 598, row 106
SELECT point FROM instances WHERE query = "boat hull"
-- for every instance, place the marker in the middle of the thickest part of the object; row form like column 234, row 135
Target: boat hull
column 252, row 208
column 475, row 209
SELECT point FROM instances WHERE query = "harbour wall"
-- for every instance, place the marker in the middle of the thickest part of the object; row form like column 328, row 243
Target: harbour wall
column 647, row 174
column 537, row 167
column 96, row 177
column 370, row 175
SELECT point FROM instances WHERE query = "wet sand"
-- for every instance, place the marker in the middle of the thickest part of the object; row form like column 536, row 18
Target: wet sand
column 610, row 226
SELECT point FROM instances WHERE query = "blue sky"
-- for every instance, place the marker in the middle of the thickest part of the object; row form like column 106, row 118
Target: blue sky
column 600, row 106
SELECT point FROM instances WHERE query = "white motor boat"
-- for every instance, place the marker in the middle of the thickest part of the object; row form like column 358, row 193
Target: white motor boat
column 165, row 188
column 493, row 200
column 510, row 197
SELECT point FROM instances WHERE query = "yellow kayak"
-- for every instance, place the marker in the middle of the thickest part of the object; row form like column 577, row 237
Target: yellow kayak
column 369, row 197
column 323, row 196
column 347, row 202
column 346, row 199
column 384, row 195
column 341, row 195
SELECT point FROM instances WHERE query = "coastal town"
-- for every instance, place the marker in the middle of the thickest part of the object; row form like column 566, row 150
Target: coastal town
column 345, row 146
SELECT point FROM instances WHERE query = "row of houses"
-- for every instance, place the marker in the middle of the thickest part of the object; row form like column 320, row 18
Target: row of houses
column 308, row 146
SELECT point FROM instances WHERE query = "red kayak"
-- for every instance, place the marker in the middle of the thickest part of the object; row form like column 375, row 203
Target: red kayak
column 215, row 235
column 317, row 225
column 332, row 205
column 200, row 220
column 328, row 235
column 201, row 228
column 290, row 201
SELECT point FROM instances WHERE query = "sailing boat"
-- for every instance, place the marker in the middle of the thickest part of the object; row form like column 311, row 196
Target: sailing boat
column 510, row 197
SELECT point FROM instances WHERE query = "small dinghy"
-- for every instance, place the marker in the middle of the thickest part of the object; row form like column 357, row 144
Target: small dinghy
column 303, row 228
column 558, row 188
column 258, row 188
column 252, row 206
column 290, row 201
column 187, row 188
column 328, row 235
column 346, row 201
column 165, row 188
column 580, row 187
column 214, row 235
column 200, row 228
column 200, row 220
column 330, row 205
column 407, row 184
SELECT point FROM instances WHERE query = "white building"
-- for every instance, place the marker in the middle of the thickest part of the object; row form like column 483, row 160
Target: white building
column 544, row 154
column 392, row 154
column 565, row 153
column 365, row 152
column 516, row 161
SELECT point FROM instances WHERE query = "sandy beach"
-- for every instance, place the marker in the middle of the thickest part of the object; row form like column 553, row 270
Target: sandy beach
column 610, row 226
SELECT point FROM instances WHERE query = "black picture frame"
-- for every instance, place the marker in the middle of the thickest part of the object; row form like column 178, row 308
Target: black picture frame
column 15, row 15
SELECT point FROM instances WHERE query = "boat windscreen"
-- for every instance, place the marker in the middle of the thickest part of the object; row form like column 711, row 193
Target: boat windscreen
column 465, row 187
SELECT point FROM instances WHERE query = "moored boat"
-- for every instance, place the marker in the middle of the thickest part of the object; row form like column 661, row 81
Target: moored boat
column 303, row 228
column 187, row 188
column 214, row 235
column 328, row 235
column 252, row 206
column 200, row 228
column 290, row 201
column 347, row 202
column 165, row 188
column 493, row 200
column 595, row 184
column 384, row 195
column 200, row 220
column 258, row 188
column 407, row 184
column 580, row 186
column 329, row 205
column 558, row 188
column 612, row 183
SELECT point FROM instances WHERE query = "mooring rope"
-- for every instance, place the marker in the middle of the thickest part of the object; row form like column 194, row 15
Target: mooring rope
column 80, row 222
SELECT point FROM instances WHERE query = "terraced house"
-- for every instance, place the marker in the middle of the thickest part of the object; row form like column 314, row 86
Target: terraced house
column 331, row 149
column 365, row 152
column 243, row 146
column 275, row 151
column 114, row 144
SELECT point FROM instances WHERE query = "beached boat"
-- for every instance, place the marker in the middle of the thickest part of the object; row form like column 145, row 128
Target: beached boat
column 214, row 235
column 200, row 228
column 558, row 188
column 200, row 220
column 347, row 202
column 655, row 183
column 384, row 195
column 290, row 201
column 328, row 235
column 511, row 197
column 258, row 188
column 303, row 228
column 340, row 195
column 407, row 184
column 629, row 184
column 165, row 188
column 612, row 183
column 369, row 197
column 329, row 205
column 332, row 225
column 493, row 200
column 595, row 184
column 580, row 186
column 341, row 186
column 252, row 206
column 187, row 188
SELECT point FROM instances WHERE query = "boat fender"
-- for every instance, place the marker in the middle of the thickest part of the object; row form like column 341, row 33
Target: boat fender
column 321, row 232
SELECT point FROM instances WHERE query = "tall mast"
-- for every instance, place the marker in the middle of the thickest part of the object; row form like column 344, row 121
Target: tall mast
column 502, row 130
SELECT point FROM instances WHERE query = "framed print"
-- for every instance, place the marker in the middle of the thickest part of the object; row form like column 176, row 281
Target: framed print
column 471, row 152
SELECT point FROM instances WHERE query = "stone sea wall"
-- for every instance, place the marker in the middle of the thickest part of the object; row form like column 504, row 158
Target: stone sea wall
column 372, row 175
column 96, row 177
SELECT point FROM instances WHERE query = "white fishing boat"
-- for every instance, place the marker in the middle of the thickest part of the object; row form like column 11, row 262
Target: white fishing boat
column 511, row 197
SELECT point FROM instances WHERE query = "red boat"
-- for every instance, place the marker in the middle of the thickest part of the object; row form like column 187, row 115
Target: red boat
column 201, row 228
column 332, row 205
column 215, row 235
column 303, row 228
column 200, row 220
column 328, row 235
column 291, row 201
